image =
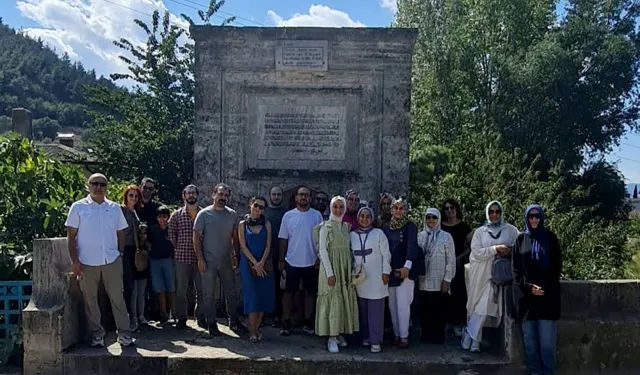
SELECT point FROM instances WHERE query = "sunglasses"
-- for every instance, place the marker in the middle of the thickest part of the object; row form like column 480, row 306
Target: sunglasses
column 258, row 206
column 132, row 195
column 321, row 199
column 432, row 217
column 148, row 188
column 534, row 216
column 98, row 184
column 496, row 212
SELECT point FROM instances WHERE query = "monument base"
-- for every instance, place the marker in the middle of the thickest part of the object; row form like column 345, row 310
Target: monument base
column 161, row 351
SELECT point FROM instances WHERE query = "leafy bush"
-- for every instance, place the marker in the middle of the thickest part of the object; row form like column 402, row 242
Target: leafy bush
column 36, row 195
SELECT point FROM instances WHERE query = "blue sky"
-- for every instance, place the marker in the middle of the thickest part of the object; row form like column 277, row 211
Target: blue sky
column 85, row 29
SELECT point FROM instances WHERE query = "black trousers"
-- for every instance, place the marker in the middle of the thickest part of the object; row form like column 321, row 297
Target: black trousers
column 433, row 316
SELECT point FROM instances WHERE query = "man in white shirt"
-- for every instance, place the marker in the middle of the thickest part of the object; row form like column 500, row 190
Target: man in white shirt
column 298, row 258
column 96, row 240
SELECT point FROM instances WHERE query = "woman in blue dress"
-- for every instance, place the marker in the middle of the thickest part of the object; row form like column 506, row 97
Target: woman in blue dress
column 255, row 266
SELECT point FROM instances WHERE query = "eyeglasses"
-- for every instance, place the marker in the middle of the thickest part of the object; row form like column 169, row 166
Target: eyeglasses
column 495, row 212
column 321, row 199
column 258, row 206
column 449, row 208
column 534, row 216
column 98, row 184
column 431, row 217
column 148, row 188
column 132, row 195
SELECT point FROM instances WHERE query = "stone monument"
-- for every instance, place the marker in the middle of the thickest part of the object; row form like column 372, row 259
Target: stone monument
column 324, row 107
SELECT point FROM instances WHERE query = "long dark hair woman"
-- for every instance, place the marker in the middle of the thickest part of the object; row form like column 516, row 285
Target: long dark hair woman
column 537, row 265
column 460, row 232
column 131, row 201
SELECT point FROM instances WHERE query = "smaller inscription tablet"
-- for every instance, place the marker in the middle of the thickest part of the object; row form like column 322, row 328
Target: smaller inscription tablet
column 302, row 55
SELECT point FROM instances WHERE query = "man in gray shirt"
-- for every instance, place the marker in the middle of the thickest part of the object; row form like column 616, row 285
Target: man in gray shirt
column 215, row 240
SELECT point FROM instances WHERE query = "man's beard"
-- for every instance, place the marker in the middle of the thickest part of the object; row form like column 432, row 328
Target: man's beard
column 274, row 203
column 191, row 200
column 304, row 205
column 221, row 202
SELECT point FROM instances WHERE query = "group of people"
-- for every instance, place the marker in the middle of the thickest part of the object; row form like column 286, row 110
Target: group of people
column 344, row 270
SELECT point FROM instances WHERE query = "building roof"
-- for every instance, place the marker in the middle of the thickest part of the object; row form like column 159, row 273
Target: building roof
column 65, row 153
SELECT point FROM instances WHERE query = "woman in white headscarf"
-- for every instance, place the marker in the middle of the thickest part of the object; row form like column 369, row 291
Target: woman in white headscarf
column 337, row 305
column 484, row 304
column 440, row 265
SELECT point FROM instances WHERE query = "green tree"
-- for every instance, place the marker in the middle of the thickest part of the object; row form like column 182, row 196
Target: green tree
column 149, row 132
column 511, row 103
column 36, row 195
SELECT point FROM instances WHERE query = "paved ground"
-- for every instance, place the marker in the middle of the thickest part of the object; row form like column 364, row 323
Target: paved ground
column 194, row 342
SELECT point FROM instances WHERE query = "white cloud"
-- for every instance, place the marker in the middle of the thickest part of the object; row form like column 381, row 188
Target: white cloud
column 86, row 29
column 390, row 5
column 319, row 16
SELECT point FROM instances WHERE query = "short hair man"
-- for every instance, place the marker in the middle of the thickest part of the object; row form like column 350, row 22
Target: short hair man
column 181, row 235
column 215, row 240
column 273, row 213
column 96, row 238
column 320, row 203
column 298, row 257
column 147, row 213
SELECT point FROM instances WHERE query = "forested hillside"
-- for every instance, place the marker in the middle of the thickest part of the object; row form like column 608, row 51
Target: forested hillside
column 35, row 77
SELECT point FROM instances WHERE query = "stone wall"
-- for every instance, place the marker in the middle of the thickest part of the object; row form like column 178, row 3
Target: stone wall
column 326, row 107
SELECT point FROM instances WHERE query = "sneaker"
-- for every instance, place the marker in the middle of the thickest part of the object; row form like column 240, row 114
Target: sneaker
column 366, row 343
column 182, row 324
column 376, row 348
column 475, row 347
column 97, row 342
column 285, row 330
column 457, row 331
column 125, row 339
column 403, row 344
column 142, row 321
column 308, row 330
column 133, row 325
column 164, row 319
column 341, row 342
column 202, row 323
column 332, row 345
column 213, row 329
column 465, row 343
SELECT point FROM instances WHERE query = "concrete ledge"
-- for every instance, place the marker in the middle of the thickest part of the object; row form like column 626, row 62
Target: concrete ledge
column 601, row 299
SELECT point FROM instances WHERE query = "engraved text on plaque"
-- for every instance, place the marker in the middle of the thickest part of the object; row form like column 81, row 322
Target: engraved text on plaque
column 302, row 132
column 302, row 55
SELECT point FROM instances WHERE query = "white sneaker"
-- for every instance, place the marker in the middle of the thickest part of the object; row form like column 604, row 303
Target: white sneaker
column 341, row 342
column 97, row 341
column 376, row 348
column 457, row 331
column 366, row 343
column 332, row 345
column 466, row 340
column 475, row 347
column 125, row 339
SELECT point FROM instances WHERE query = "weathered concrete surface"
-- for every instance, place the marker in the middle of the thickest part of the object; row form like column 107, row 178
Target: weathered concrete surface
column 51, row 321
column 168, row 351
column 600, row 326
column 366, row 79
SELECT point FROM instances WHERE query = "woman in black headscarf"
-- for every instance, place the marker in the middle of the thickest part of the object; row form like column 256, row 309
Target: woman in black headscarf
column 537, row 265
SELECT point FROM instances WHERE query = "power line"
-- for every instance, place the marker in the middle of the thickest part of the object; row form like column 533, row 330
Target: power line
column 630, row 145
column 215, row 15
column 138, row 11
column 622, row 157
column 227, row 13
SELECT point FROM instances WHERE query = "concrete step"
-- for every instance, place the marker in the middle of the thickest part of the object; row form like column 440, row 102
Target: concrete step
column 164, row 351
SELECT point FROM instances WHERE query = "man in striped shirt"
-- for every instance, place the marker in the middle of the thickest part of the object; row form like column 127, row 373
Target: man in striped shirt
column 181, row 235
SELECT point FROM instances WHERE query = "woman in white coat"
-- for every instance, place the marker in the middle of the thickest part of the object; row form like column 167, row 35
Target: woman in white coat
column 484, row 303
column 371, row 264
column 440, row 265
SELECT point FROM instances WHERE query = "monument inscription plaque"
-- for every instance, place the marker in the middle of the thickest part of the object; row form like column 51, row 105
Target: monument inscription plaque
column 302, row 132
column 302, row 55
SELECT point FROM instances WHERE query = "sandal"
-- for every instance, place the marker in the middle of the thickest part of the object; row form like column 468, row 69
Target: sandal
column 253, row 339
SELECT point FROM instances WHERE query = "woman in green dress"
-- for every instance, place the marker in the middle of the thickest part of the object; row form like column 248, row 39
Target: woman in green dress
column 337, row 305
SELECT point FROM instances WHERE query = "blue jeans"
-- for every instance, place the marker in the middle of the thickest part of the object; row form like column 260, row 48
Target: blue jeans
column 162, row 278
column 539, row 337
